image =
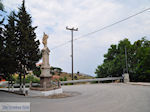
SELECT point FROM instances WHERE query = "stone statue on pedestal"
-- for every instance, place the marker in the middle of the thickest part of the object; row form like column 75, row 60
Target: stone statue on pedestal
column 47, row 87
column 44, row 41
column 45, row 67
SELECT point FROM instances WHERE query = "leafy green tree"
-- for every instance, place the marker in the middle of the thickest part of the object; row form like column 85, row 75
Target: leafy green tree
column 55, row 69
column 114, row 60
column 138, row 60
column 141, row 67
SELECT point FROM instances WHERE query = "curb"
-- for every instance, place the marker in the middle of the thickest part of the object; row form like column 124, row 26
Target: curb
column 141, row 84
column 13, row 92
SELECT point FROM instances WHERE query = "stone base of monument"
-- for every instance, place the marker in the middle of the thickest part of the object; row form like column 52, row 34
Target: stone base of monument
column 33, row 92
column 44, row 82
column 45, row 88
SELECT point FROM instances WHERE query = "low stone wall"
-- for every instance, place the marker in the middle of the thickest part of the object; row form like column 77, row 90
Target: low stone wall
column 45, row 93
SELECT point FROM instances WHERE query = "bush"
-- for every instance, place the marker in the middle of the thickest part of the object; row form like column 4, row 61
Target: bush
column 37, row 71
column 94, row 82
column 31, row 78
column 65, row 78
column 75, row 77
column 61, row 79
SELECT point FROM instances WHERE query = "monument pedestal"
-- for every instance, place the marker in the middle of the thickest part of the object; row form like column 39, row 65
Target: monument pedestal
column 46, row 87
column 45, row 76
column 45, row 82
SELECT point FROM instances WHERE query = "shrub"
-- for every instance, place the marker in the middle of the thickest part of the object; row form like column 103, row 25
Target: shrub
column 65, row 78
column 31, row 78
column 61, row 79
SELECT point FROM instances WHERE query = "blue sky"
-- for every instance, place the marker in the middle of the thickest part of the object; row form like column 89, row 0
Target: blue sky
column 52, row 16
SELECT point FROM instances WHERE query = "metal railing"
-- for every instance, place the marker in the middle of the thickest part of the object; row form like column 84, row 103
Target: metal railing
column 78, row 81
column 92, row 80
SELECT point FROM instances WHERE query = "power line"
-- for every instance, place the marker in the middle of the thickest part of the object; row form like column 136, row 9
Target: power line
column 112, row 24
column 61, row 45
column 105, row 27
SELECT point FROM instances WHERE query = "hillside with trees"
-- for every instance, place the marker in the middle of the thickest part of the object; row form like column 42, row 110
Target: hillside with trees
column 63, row 76
column 138, row 61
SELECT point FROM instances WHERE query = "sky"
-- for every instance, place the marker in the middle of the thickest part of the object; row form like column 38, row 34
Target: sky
column 52, row 17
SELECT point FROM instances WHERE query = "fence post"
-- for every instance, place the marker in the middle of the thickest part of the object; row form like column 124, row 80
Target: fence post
column 126, row 78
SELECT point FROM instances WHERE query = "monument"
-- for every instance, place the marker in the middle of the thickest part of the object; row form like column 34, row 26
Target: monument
column 47, row 86
column 45, row 67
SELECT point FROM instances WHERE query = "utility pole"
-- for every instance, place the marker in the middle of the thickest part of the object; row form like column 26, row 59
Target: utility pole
column 126, row 59
column 72, row 29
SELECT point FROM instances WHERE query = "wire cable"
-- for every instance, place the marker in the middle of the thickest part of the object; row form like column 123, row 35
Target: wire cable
column 105, row 27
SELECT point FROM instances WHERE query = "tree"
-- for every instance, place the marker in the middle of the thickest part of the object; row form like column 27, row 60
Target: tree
column 28, row 52
column 2, row 59
column 55, row 69
column 37, row 71
column 1, row 6
column 1, row 10
column 10, row 47
column 114, row 60
column 11, row 43
column 138, row 60
column 141, row 67
column 1, row 50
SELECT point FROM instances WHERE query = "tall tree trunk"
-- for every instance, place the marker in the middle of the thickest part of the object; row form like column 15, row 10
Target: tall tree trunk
column 24, row 83
column 20, row 82
column 12, row 86
column 8, row 82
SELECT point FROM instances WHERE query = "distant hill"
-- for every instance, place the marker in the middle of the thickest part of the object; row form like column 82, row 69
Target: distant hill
column 63, row 75
column 67, row 76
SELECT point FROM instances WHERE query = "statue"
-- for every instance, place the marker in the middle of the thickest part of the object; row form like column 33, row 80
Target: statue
column 46, row 85
column 45, row 67
column 44, row 41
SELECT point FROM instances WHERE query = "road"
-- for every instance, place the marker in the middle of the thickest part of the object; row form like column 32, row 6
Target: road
column 91, row 98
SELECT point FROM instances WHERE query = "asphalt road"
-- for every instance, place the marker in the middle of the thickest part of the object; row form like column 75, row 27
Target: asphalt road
column 91, row 98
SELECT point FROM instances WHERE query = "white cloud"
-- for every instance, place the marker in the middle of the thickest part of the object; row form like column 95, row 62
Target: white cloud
column 52, row 16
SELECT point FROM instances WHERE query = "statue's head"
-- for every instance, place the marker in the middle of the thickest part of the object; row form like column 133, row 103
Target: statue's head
column 45, row 35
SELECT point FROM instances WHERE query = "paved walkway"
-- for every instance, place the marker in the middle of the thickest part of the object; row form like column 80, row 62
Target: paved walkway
column 91, row 98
